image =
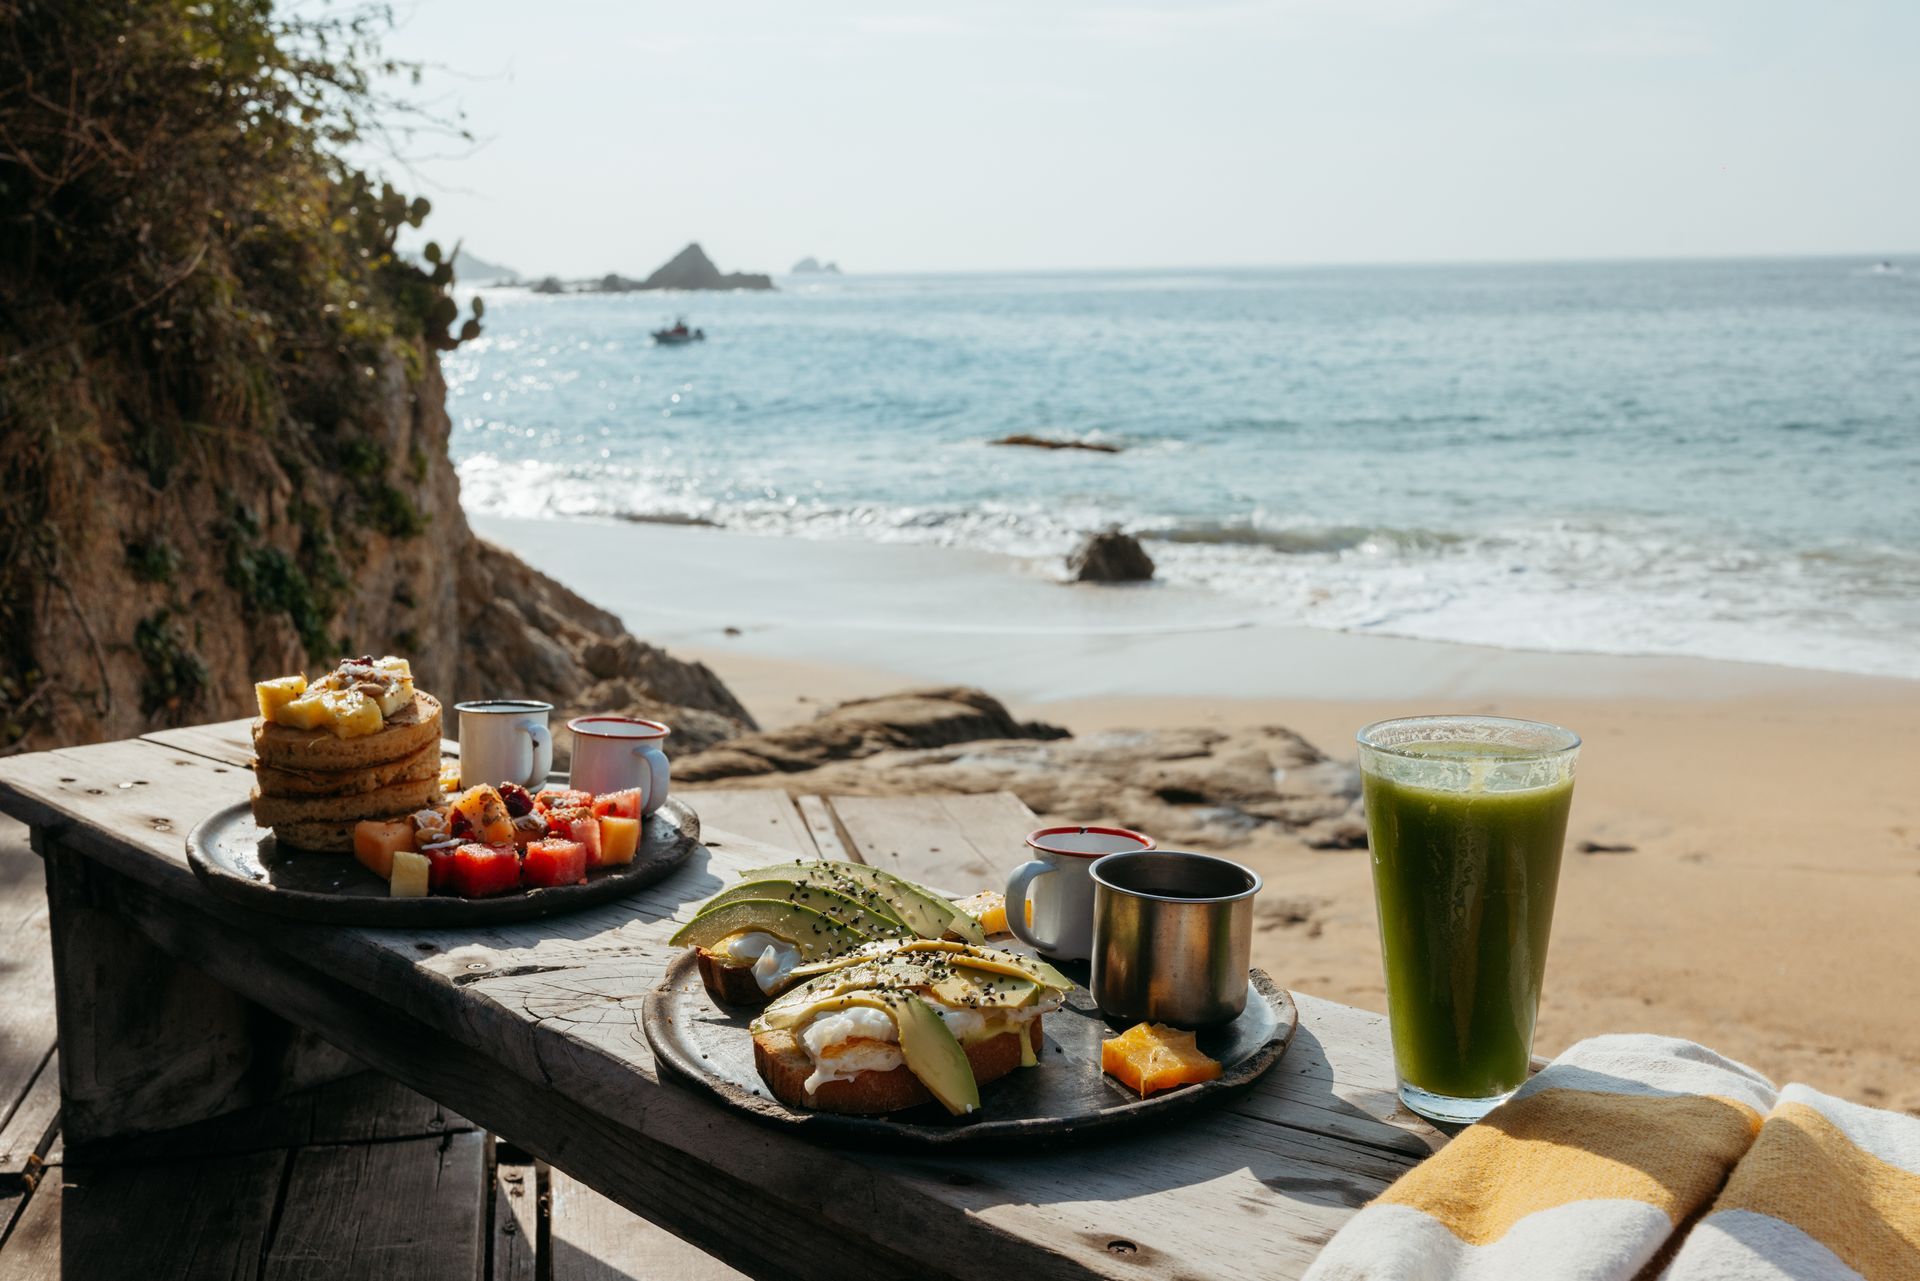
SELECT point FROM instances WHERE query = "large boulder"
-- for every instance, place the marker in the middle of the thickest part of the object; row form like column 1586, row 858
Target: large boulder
column 1202, row 788
column 524, row 635
column 862, row 728
column 1110, row 556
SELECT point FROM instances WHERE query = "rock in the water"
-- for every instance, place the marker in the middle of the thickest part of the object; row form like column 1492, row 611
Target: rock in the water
column 865, row 727
column 1031, row 441
column 550, row 285
column 811, row 266
column 1110, row 556
column 692, row 269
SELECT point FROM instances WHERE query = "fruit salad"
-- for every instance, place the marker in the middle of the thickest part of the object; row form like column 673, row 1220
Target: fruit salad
column 489, row 840
column 352, row 700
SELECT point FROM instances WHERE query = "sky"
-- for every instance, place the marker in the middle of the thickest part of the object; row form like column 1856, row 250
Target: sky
column 1059, row 135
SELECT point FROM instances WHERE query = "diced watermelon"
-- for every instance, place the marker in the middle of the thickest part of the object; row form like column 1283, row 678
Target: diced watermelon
column 482, row 870
column 562, row 798
column 624, row 804
column 440, row 868
column 577, row 824
column 554, row 862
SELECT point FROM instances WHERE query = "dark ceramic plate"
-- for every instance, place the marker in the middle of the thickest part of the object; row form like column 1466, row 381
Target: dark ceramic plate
column 239, row 860
column 707, row 1046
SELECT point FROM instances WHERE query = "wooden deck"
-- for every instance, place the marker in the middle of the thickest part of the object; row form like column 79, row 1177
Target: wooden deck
column 363, row 1177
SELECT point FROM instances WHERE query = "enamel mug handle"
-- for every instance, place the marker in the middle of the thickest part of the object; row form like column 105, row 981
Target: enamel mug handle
column 1017, row 885
column 542, row 756
column 657, row 776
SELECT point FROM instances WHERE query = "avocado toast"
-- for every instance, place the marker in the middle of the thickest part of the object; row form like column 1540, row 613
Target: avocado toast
column 895, row 1024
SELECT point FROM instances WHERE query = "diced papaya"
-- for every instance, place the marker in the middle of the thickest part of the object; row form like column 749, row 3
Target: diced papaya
column 375, row 842
column 1150, row 1057
column 479, row 814
column 623, row 804
column 554, row 862
column 619, row 840
column 412, row 875
column 483, row 870
column 276, row 694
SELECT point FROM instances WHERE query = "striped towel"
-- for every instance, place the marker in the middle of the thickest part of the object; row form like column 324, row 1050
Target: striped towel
column 1634, row 1157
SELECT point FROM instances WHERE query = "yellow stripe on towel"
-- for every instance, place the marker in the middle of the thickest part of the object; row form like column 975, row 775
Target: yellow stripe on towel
column 1555, row 1147
column 1803, row 1170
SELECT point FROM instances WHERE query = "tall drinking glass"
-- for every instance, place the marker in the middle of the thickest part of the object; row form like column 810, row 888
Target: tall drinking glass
column 1466, row 816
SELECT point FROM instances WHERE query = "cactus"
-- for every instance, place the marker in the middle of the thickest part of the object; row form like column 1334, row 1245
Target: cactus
column 432, row 252
column 417, row 211
column 479, row 306
column 470, row 331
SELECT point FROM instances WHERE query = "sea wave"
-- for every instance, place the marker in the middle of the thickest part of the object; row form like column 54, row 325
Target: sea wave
column 1644, row 587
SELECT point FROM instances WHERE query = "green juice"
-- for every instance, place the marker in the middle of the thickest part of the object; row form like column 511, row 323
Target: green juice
column 1464, row 876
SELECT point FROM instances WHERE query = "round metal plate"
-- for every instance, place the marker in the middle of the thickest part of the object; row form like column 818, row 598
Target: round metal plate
column 707, row 1046
column 240, row 861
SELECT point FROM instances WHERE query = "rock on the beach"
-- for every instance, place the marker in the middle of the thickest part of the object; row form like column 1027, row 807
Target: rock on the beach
column 523, row 635
column 862, row 728
column 1110, row 556
column 1204, row 788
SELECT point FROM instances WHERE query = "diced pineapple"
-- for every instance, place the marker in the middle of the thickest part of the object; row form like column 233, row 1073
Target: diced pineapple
column 390, row 667
column 399, row 693
column 276, row 694
column 352, row 713
column 409, row 879
column 309, row 711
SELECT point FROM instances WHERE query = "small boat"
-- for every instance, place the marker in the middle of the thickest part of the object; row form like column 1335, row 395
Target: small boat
column 679, row 334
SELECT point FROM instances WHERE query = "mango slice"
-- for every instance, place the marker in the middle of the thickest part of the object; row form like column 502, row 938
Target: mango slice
column 1150, row 1057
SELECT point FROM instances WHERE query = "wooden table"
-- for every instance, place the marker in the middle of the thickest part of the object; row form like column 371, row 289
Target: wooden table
column 174, row 1006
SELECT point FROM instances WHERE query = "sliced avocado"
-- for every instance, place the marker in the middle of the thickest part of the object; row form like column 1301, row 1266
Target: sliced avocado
column 934, row 1055
column 923, row 911
column 1012, row 963
column 815, row 935
column 874, row 920
column 951, row 986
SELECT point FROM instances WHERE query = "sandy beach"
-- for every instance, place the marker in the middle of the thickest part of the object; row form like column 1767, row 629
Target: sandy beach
column 1768, row 904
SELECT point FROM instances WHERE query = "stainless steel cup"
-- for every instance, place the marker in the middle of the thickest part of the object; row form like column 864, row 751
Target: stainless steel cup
column 1172, row 934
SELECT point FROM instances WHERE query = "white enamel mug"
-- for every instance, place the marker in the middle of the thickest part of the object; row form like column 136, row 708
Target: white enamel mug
column 505, row 740
column 1061, row 890
column 613, row 753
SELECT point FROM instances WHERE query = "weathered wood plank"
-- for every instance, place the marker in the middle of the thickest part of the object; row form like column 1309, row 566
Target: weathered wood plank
column 195, row 1220
column 592, row 1239
column 413, row 1210
column 27, row 1017
column 230, row 742
column 824, row 831
column 28, row 1131
column 516, row 1217
column 764, row 813
column 956, row 843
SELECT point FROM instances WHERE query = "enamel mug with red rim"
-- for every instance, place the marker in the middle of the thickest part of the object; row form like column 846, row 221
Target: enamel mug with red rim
column 614, row 753
column 1056, row 883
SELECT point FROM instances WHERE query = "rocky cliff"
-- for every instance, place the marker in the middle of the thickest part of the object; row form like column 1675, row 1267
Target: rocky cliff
column 692, row 269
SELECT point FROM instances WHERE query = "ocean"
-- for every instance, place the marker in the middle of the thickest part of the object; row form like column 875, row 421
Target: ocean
column 1719, row 459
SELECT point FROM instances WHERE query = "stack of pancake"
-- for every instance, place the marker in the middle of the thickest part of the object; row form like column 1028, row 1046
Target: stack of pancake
column 311, row 786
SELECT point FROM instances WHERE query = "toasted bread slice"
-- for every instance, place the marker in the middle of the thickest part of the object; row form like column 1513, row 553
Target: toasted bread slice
column 328, row 838
column 272, row 781
column 384, row 802
column 728, row 981
column 785, row 1067
column 405, row 734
